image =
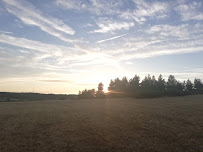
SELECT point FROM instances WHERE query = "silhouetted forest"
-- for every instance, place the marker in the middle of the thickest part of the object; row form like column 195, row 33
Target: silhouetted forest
column 149, row 87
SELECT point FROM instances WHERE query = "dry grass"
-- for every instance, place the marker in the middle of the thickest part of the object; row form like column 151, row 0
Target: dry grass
column 163, row 124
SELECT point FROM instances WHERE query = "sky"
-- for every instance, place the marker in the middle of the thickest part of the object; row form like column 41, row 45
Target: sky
column 63, row 46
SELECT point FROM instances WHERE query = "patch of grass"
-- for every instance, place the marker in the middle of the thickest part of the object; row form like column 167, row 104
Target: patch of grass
column 122, row 124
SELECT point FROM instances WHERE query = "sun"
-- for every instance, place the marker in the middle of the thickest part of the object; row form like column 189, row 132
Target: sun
column 106, row 90
column 106, row 85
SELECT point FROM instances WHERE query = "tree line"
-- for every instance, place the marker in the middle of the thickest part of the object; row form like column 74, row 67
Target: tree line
column 149, row 87
column 15, row 96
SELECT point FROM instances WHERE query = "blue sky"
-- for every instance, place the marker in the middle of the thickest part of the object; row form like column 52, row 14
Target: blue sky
column 63, row 46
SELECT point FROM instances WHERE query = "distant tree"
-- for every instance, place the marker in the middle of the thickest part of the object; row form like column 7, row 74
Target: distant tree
column 124, row 84
column 150, row 87
column 147, row 82
column 117, row 84
column 180, row 86
column 184, row 85
column 172, row 82
column 100, row 92
column 92, row 91
column 111, row 86
column 189, row 85
column 174, row 87
column 86, row 94
column 134, row 84
column 100, row 87
column 154, row 83
column 198, row 84
column 161, row 83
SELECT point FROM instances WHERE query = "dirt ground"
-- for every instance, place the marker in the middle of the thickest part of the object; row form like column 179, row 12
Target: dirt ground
column 172, row 124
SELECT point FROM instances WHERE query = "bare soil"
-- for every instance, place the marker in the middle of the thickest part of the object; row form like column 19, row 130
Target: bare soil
column 172, row 124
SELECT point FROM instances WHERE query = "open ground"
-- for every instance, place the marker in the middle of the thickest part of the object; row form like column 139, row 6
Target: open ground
column 172, row 124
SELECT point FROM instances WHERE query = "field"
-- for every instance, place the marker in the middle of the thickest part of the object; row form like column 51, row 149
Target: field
column 172, row 124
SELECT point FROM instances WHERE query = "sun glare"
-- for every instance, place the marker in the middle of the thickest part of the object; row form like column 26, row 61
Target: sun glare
column 106, row 90
column 106, row 85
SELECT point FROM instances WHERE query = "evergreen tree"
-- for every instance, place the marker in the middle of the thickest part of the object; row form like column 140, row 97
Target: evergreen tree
column 124, row 84
column 161, row 83
column 198, row 84
column 174, row 87
column 100, row 92
column 117, row 84
column 134, row 84
column 172, row 82
column 111, row 86
column 189, row 85
column 147, row 82
column 100, row 87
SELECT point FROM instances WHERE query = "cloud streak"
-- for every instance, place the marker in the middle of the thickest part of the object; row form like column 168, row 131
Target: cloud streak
column 28, row 14
column 73, row 56
column 112, row 38
column 106, row 26
column 57, row 81
column 168, row 30
column 6, row 32
column 33, row 45
column 191, row 11
column 145, row 9
column 96, row 7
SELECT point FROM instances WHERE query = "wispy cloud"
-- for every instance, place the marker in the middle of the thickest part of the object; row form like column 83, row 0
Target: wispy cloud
column 30, row 44
column 181, row 76
column 159, row 40
column 28, row 14
column 58, row 81
column 168, row 30
column 106, row 26
column 191, row 11
column 128, row 45
column 69, row 4
column 72, row 56
column 94, row 84
column 159, row 52
column 101, row 7
column 145, row 9
column 180, row 32
column 96, row 7
column 53, row 50
column 112, row 38
column 6, row 32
